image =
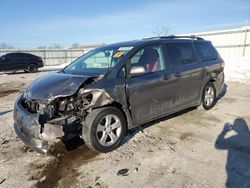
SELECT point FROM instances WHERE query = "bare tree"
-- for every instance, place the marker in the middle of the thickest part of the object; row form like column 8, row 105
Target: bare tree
column 160, row 30
column 42, row 47
column 56, row 46
column 5, row 46
column 75, row 45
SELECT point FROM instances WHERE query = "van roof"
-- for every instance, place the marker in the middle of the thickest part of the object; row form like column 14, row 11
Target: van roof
column 154, row 39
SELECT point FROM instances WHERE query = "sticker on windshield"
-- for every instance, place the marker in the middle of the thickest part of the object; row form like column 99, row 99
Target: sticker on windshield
column 118, row 54
column 125, row 48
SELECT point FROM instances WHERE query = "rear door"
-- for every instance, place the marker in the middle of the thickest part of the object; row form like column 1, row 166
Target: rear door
column 188, row 73
column 12, row 62
column 150, row 95
column 19, row 61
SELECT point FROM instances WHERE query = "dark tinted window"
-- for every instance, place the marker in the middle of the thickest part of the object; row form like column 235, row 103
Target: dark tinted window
column 206, row 51
column 181, row 53
column 29, row 56
column 13, row 55
column 18, row 56
column 9, row 56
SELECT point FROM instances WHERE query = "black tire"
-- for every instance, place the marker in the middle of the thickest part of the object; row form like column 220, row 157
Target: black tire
column 208, row 102
column 32, row 68
column 93, row 120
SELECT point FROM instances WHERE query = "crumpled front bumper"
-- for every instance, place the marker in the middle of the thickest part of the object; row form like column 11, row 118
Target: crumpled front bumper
column 28, row 129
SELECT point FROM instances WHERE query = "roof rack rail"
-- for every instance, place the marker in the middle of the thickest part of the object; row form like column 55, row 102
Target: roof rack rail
column 176, row 37
column 185, row 36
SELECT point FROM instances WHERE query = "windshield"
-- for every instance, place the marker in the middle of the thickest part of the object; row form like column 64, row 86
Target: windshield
column 98, row 61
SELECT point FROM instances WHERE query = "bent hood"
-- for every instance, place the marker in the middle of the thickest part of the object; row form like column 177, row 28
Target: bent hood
column 54, row 85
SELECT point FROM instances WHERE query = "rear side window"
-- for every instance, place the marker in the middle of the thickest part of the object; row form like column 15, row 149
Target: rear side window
column 206, row 51
column 19, row 56
column 29, row 56
column 181, row 53
column 9, row 56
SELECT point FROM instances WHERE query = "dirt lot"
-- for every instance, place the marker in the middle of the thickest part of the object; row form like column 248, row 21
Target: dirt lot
column 194, row 148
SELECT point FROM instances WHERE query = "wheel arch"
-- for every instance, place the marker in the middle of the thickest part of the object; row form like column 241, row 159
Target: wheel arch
column 214, row 82
column 210, row 80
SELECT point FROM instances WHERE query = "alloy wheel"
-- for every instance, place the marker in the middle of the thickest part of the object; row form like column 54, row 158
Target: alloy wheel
column 108, row 130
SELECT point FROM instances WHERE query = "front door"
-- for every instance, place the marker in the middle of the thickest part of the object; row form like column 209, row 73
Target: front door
column 150, row 95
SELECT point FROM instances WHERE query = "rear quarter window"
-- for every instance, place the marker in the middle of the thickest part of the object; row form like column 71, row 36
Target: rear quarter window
column 206, row 51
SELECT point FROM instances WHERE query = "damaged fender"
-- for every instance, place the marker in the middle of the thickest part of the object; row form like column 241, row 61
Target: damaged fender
column 99, row 98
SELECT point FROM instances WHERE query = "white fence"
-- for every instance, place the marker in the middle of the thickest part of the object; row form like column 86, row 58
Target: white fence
column 54, row 56
column 233, row 43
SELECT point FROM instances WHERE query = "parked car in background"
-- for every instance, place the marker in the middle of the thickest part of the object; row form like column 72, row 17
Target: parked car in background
column 20, row 61
column 118, row 87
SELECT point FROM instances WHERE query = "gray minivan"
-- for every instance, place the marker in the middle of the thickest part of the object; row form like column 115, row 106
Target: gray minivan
column 117, row 87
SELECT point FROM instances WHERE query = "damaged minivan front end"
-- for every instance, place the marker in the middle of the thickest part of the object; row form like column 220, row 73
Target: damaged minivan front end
column 55, row 106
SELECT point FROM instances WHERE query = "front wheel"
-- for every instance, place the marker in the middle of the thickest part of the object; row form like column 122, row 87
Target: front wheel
column 104, row 129
column 209, row 96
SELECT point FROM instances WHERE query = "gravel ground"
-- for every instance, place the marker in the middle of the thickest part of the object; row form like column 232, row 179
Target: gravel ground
column 193, row 148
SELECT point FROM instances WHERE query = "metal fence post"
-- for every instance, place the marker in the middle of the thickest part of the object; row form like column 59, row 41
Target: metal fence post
column 66, row 56
column 245, row 39
column 44, row 57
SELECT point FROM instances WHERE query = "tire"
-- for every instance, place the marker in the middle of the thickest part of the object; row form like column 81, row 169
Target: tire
column 97, row 130
column 208, row 96
column 32, row 68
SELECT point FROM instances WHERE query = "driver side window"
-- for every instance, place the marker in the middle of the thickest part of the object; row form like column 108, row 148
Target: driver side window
column 149, row 57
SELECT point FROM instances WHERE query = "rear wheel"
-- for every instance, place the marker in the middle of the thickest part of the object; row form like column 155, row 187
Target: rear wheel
column 209, row 96
column 104, row 129
column 32, row 68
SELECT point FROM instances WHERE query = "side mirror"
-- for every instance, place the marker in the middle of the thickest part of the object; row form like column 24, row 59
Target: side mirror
column 2, row 58
column 137, row 71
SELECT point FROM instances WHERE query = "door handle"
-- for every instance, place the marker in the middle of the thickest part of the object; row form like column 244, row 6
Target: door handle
column 165, row 77
column 177, row 74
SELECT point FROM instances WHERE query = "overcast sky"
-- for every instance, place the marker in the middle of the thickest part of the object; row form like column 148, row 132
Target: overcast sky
column 32, row 23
